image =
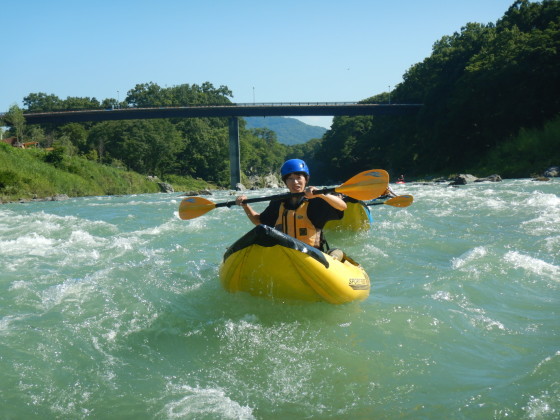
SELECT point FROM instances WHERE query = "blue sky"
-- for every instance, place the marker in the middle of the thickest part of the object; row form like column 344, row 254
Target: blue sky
column 267, row 51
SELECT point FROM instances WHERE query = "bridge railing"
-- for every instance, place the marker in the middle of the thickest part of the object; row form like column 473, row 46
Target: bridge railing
column 232, row 104
column 222, row 105
column 292, row 104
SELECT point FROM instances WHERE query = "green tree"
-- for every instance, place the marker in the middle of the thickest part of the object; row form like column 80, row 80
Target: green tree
column 77, row 103
column 37, row 134
column 41, row 102
column 147, row 95
column 111, row 103
column 16, row 119
column 261, row 153
column 150, row 95
column 77, row 134
column 147, row 147
column 204, row 151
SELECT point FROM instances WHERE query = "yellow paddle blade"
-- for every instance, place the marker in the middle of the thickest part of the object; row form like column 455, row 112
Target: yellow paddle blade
column 192, row 207
column 400, row 201
column 366, row 185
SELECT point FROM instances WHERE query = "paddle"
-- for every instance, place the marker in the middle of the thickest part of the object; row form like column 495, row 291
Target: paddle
column 398, row 201
column 366, row 185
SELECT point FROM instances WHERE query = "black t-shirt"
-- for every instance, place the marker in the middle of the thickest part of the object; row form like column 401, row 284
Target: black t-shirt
column 318, row 211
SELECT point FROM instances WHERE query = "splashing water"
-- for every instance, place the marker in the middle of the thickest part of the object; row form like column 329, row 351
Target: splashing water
column 111, row 307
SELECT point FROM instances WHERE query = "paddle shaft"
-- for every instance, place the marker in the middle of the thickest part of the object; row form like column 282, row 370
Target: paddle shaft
column 275, row 197
column 379, row 203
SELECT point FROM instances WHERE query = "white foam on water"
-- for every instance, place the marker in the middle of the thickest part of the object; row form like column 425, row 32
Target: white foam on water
column 82, row 248
column 123, row 243
column 478, row 318
column 552, row 244
column 20, row 284
column 32, row 244
column 287, row 359
column 496, row 204
column 541, row 200
column 19, row 227
column 442, row 296
column 71, row 290
column 533, row 265
column 196, row 225
column 541, row 407
column 85, row 239
column 544, row 364
column 544, row 213
column 373, row 251
column 199, row 402
column 5, row 322
column 170, row 226
column 469, row 257
column 487, row 322
column 61, row 246
column 544, row 224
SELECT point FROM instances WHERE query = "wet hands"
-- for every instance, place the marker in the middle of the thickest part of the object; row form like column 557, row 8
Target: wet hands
column 309, row 192
column 240, row 199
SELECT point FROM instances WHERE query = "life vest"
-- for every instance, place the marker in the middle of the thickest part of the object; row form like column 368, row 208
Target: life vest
column 297, row 224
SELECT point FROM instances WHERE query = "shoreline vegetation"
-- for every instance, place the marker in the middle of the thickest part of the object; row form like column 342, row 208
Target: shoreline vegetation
column 35, row 175
column 29, row 175
column 489, row 106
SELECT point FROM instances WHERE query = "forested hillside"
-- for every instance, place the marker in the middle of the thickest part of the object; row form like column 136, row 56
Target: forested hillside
column 491, row 105
column 289, row 131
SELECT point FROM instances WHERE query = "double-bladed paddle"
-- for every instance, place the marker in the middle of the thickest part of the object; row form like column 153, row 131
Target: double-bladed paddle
column 366, row 185
column 398, row 201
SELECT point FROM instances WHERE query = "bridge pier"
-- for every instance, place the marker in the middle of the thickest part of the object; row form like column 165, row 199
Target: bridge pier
column 234, row 154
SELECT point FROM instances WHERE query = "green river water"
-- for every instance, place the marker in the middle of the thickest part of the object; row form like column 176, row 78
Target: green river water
column 111, row 308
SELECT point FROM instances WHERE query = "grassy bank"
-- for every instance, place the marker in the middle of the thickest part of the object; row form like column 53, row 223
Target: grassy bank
column 35, row 173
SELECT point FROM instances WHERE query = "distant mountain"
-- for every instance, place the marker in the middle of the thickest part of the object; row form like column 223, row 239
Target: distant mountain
column 288, row 130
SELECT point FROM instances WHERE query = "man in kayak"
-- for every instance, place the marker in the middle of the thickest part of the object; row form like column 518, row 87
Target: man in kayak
column 301, row 217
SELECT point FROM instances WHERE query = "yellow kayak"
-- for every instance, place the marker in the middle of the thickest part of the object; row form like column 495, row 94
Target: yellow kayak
column 357, row 217
column 266, row 262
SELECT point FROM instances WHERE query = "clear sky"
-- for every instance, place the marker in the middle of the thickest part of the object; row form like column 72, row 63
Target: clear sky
column 264, row 51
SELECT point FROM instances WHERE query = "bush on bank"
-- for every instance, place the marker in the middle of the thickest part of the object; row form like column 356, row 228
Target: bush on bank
column 36, row 173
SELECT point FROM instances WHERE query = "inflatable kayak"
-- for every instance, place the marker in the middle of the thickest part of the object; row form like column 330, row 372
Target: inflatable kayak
column 266, row 262
column 357, row 217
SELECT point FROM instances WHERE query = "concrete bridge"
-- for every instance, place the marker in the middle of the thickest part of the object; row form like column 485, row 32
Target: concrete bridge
column 231, row 111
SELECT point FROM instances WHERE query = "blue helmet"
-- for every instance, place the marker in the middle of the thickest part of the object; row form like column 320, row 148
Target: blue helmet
column 294, row 165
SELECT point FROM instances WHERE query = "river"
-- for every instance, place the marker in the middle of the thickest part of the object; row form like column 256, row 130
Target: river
column 111, row 307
